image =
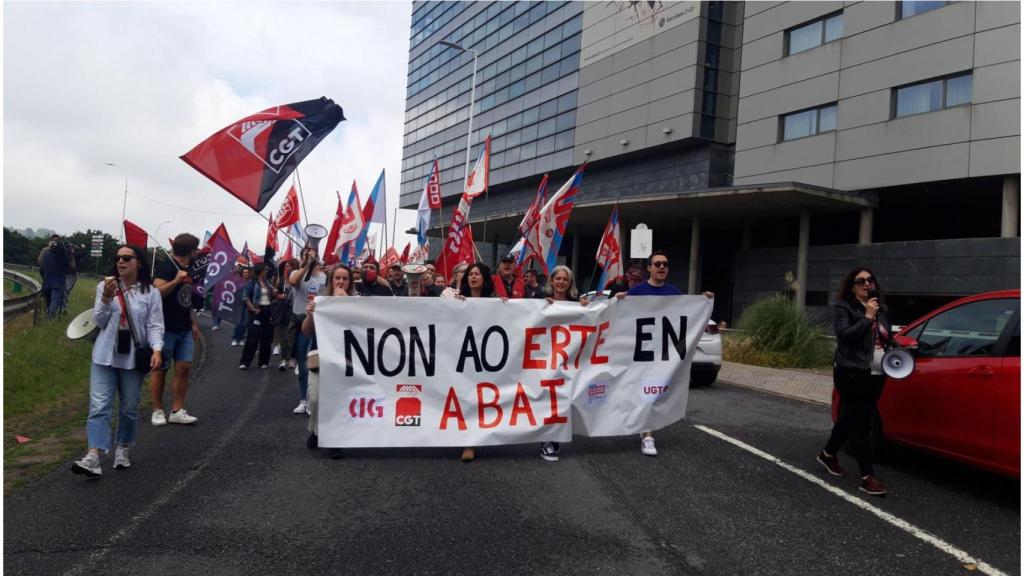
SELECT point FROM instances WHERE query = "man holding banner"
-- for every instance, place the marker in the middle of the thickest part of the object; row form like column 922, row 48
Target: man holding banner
column 656, row 285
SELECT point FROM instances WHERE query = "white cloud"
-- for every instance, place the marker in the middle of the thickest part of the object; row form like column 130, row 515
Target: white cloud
column 139, row 84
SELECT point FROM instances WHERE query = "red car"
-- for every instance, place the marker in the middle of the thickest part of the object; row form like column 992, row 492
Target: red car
column 963, row 399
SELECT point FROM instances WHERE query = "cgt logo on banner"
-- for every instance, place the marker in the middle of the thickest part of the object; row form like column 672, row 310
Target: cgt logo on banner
column 479, row 372
column 271, row 141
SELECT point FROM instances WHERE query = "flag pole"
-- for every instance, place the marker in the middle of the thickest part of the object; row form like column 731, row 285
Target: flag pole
column 302, row 197
column 395, row 227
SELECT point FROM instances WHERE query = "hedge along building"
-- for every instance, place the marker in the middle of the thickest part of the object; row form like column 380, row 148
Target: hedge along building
column 755, row 139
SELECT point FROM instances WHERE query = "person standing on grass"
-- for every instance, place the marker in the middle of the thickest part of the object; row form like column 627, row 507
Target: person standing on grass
column 861, row 323
column 113, row 369
column 54, row 267
column 181, row 330
column 656, row 285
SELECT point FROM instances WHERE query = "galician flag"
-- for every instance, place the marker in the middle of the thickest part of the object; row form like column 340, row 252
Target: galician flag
column 528, row 227
column 430, row 200
column 370, row 212
column 609, row 252
column 554, row 217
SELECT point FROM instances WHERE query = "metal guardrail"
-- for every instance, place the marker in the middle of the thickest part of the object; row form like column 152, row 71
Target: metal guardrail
column 19, row 304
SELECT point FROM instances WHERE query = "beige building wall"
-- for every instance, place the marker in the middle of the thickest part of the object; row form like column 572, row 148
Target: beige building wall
column 876, row 53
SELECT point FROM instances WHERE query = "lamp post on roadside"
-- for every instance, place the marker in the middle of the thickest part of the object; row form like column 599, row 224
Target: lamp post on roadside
column 124, row 203
column 469, row 131
column 156, row 238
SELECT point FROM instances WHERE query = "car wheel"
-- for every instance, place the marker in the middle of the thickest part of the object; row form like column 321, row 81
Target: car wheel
column 702, row 379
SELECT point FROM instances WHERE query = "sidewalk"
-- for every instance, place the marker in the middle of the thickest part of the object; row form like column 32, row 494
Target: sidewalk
column 798, row 384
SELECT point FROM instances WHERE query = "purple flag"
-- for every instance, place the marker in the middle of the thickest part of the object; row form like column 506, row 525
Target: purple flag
column 224, row 281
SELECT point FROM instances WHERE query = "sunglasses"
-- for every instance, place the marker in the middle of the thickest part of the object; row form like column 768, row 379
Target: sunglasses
column 125, row 257
column 660, row 264
column 863, row 281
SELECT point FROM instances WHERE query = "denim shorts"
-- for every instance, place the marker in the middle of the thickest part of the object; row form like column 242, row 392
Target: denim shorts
column 178, row 346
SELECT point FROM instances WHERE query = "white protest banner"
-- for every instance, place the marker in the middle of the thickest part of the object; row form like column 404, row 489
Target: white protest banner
column 438, row 372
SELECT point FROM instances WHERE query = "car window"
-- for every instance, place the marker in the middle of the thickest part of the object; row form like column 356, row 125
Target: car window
column 1013, row 347
column 968, row 330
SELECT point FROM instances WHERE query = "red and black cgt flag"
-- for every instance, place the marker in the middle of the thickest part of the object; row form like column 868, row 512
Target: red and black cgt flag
column 254, row 156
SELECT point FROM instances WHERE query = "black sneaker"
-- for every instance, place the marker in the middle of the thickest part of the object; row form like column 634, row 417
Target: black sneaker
column 549, row 451
column 312, row 441
column 831, row 463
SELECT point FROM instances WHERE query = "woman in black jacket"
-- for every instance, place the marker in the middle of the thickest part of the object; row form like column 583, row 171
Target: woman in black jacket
column 861, row 325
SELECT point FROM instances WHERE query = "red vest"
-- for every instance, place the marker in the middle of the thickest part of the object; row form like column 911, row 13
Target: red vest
column 518, row 288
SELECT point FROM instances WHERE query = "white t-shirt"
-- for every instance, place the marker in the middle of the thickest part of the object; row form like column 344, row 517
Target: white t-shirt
column 316, row 285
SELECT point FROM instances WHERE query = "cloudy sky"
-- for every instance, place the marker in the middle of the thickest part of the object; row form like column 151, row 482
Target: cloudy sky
column 140, row 83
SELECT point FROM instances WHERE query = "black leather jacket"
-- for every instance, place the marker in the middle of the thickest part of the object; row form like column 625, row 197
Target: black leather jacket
column 855, row 339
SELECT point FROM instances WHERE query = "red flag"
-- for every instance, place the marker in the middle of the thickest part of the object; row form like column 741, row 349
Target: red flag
column 391, row 258
column 467, row 248
column 330, row 251
column 252, row 157
column 452, row 250
column 272, row 233
column 405, row 254
column 287, row 251
column 289, row 213
column 221, row 231
column 476, row 183
column 133, row 234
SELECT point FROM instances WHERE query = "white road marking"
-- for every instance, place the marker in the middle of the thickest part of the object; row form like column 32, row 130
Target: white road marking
column 962, row 556
column 90, row 563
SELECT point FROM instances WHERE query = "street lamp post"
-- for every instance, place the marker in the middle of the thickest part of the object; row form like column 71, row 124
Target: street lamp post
column 152, row 269
column 124, row 203
column 472, row 101
column 469, row 131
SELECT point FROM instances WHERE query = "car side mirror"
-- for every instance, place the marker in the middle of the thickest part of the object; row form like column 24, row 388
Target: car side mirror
column 907, row 342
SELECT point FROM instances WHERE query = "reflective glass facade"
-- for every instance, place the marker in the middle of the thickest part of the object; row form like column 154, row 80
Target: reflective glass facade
column 527, row 77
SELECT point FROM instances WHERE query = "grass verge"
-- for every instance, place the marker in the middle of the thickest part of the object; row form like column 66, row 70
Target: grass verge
column 46, row 392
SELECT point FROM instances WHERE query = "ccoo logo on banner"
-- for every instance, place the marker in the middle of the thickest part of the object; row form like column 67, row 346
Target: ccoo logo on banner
column 481, row 372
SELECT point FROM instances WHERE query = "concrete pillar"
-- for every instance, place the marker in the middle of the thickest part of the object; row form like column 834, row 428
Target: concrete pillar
column 801, row 257
column 867, row 222
column 747, row 239
column 694, row 255
column 575, row 266
column 1011, row 207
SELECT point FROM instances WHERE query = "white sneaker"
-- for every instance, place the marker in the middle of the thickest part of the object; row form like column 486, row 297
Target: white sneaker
column 159, row 418
column 243, row 367
column 277, row 350
column 296, row 370
column 647, row 446
column 235, row 342
column 215, row 327
column 89, row 466
column 301, row 408
column 264, row 366
column 182, row 417
column 121, row 460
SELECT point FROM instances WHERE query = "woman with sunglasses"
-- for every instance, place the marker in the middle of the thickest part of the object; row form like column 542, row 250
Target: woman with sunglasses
column 125, row 292
column 861, row 324
column 341, row 284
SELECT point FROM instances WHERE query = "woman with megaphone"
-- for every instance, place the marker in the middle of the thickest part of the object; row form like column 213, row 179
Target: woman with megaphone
column 129, row 314
column 861, row 323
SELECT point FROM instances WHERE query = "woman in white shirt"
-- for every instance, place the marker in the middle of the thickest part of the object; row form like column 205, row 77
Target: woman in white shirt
column 113, row 356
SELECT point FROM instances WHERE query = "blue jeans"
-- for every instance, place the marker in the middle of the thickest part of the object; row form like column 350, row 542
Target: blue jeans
column 58, row 298
column 178, row 347
column 303, row 344
column 239, row 333
column 104, row 383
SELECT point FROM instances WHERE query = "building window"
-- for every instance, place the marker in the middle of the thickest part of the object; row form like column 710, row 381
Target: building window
column 808, row 122
column 815, row 33
column 933, row 95
column 913, row 8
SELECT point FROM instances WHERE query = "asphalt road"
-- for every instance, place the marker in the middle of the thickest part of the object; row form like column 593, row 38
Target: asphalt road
column 239, row 493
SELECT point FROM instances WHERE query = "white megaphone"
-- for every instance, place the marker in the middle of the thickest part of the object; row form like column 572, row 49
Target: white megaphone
column 314, row 234
column 898, row 363
column 83, row 327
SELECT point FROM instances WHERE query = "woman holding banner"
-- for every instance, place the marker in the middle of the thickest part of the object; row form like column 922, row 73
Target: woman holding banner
column 125, row 303
column 476, row 282
column 341, row 285
column 561, row 288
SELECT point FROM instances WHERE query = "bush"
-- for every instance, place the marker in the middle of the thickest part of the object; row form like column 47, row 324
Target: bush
column 778, row 334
